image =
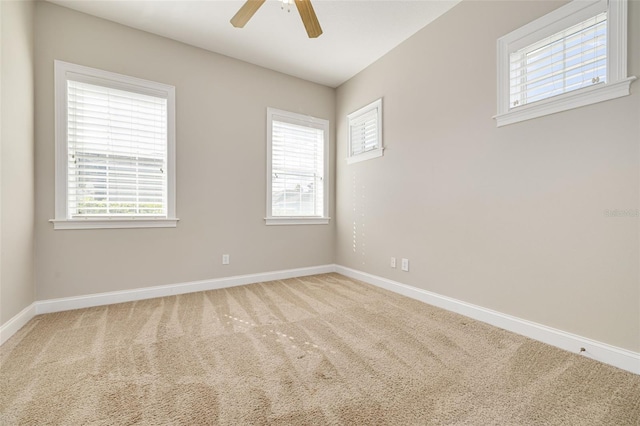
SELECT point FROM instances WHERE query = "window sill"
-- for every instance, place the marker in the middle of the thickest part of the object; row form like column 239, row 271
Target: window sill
column 297, row 220
column 113, row 223
column 567, row 101
column 368, row 155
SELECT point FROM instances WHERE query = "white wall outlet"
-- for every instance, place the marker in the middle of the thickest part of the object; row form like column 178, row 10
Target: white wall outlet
column 393, row 262
column 405, row 265
column 225, row 259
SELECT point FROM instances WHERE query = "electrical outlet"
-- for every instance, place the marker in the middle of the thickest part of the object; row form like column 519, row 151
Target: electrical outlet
column 225, row 259
column 393, row 262
column 405, row 265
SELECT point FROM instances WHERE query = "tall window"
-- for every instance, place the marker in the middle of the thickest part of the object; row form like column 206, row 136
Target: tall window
column 297, row 160
column 571, row 57
column 115, row 150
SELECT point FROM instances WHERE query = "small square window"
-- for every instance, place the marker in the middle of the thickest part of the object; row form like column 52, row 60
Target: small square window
column 571, row 57
column 365, row 133
column 565, row 61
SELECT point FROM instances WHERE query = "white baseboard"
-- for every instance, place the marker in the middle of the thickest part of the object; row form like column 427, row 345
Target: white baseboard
column 68, row 303
column 78, row 302
column 618, row 357
column 10, row 328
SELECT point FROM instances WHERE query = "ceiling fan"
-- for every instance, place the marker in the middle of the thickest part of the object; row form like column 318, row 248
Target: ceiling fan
column 308, row 15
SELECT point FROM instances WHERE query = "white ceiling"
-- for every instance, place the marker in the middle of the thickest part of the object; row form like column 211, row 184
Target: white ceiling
column 356, row 33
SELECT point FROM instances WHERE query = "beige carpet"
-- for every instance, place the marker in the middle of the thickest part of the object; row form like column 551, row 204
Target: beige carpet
column 310, row 351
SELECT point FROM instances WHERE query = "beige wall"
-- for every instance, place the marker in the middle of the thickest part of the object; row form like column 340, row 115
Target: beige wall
column 510, row 218
column 16, row 145
column 221, row 165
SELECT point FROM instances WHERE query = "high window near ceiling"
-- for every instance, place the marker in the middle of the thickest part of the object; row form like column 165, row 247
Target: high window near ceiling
column 297, row 169
column 571, row 57
column 115, row 150
column 365, row 133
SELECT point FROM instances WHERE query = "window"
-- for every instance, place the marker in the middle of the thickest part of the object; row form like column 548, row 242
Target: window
column 365, row 133
column 569, row 60
column 297, row 168
column 572, row 57
column 115, row 150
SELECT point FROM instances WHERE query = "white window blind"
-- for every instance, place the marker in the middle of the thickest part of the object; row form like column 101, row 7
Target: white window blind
column 364, row 132
column 297, row 170
column 117, row 152
column 565, row 61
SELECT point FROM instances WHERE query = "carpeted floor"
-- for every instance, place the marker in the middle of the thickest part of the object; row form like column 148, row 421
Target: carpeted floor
column 309, row 351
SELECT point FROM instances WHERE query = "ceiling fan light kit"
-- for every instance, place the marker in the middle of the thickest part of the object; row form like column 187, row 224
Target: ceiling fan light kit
column 305, row 8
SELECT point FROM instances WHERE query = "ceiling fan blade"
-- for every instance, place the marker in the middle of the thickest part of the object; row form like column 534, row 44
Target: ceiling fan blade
column 309, row 18
column 245, row 13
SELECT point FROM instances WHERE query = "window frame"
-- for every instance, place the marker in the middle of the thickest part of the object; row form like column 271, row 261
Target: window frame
column 617, row 82
column 374, row 153
column 64, row 71
column 300, row 119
